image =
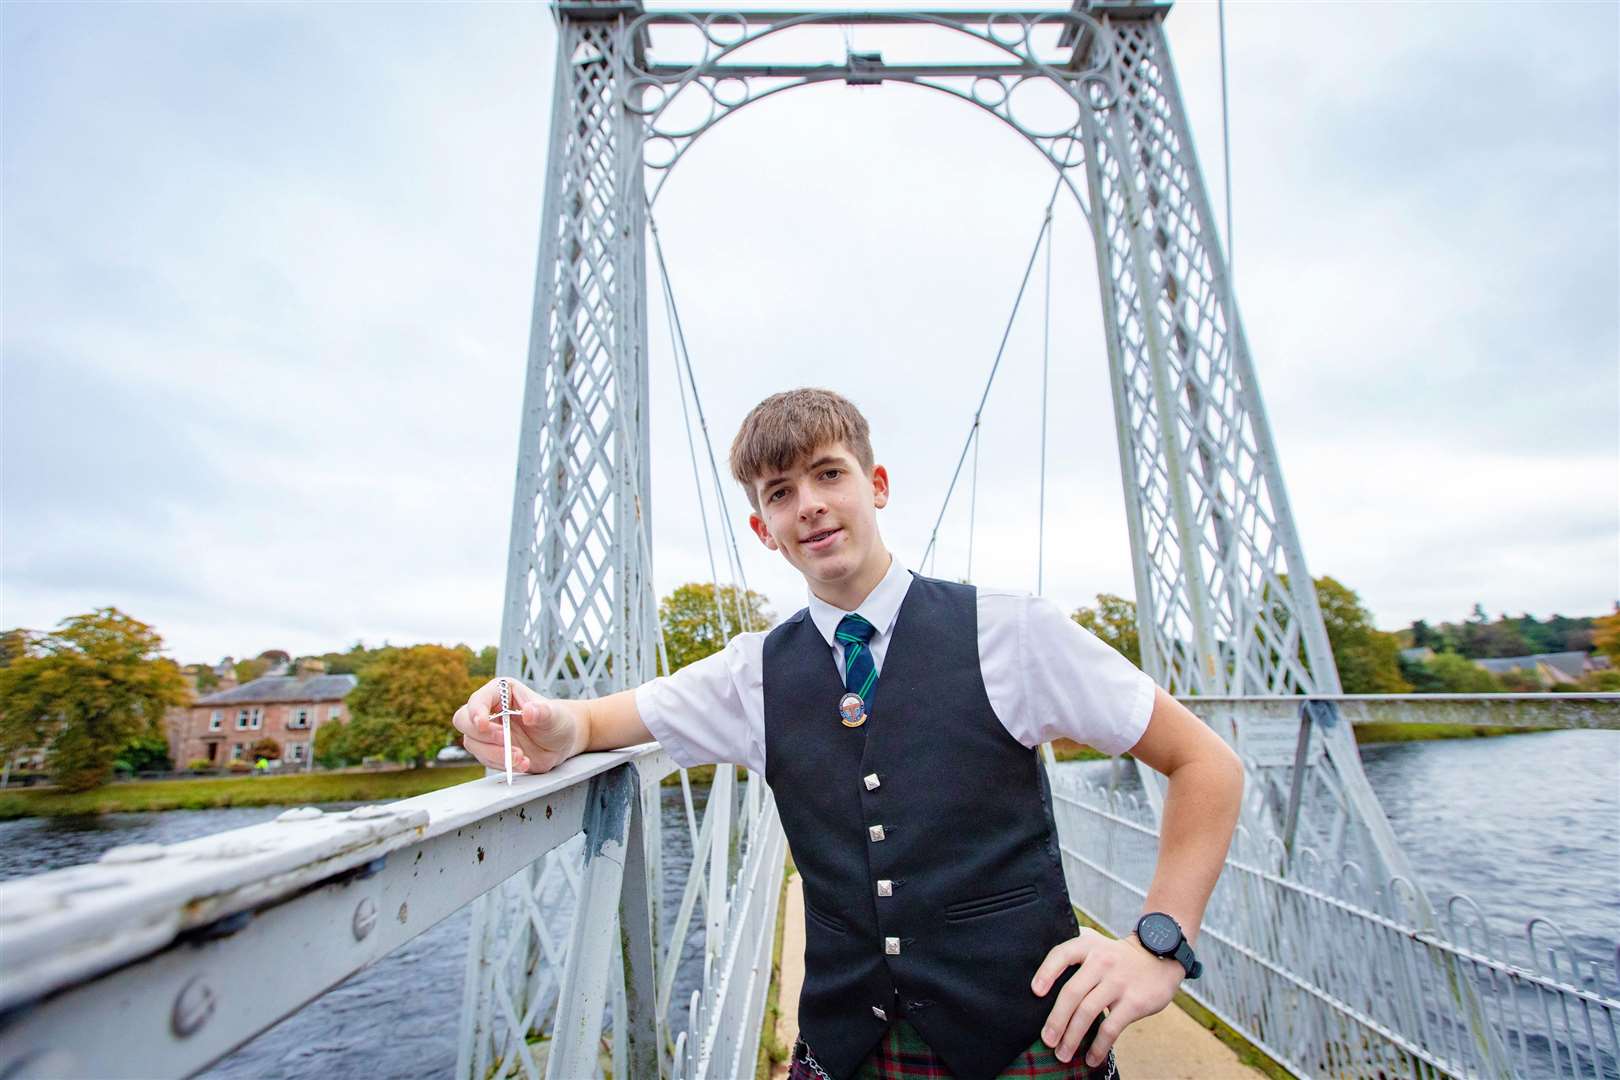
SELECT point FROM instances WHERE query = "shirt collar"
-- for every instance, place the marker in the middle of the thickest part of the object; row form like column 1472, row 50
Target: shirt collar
column 879, row 608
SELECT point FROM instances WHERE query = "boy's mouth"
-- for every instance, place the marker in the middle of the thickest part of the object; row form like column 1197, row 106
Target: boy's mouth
column 819, row 540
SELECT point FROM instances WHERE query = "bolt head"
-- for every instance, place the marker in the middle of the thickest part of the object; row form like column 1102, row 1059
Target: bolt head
column 365, row 917
column 192, row 1008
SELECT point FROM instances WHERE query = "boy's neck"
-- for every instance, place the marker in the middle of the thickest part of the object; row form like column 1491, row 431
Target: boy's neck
column 848, row 593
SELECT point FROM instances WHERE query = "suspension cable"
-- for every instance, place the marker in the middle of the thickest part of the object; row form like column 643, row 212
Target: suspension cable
column 691, row 450
column 733, row 552
column 973, row 499
column 1046, row 223
column 1046, row 363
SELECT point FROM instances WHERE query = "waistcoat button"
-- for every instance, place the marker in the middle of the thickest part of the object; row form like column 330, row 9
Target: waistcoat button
column 875, row 832
column 885, row 887
column 891, row 946
column 872, row 781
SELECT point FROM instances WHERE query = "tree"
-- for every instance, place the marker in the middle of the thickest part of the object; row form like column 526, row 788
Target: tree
column 1368, row 659
column 1114, row 621
column 85, row 691
column 692, row 622
column 1449, row 673
column 1606, row 634
column 144, row 753
column 402, row 706
column 248, row 670
column 266, row 748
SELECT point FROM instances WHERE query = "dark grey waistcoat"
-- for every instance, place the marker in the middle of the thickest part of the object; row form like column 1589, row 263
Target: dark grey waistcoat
column 968, row 847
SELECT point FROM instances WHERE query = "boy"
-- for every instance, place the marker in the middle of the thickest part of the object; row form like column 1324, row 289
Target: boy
column 896, row 719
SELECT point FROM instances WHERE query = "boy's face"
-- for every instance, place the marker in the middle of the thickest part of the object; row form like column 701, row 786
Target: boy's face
column 821, row 514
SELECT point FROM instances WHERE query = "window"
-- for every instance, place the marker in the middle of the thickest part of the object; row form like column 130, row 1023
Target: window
column 238, row 751
column 335, row 713
column 257, row 719
column 216, row 720
column 241, row 719
column 295, row 751
column 300, row 719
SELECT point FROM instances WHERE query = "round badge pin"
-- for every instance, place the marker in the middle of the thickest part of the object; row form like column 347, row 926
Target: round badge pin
column 852, row 710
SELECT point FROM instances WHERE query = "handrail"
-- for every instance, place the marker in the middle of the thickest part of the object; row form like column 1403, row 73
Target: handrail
column 194, row 948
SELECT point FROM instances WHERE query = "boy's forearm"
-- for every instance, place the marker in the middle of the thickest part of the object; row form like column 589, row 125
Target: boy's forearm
column 611, row 722
column 1200, row 815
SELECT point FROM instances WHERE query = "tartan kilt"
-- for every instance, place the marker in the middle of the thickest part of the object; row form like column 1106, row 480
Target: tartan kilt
column 903, row 1055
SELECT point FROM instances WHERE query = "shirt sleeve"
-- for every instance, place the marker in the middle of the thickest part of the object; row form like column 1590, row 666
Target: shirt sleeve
column 1048, row 677
column 711, row 712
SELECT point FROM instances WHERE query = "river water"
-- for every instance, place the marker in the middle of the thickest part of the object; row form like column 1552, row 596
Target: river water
column 1525, row 825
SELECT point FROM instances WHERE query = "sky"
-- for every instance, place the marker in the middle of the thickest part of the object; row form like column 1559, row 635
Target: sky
column 267, row 275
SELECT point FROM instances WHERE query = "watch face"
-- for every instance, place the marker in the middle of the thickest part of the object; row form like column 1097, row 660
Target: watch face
column 1159, row 933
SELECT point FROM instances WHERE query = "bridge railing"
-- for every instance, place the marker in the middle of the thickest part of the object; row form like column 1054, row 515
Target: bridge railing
column 161, row 959
column 1335, row 974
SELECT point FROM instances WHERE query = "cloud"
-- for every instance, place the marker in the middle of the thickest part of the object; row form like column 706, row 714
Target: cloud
column 268, row 273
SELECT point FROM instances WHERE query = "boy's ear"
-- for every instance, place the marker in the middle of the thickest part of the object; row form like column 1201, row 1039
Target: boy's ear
column 757, row 523
column 880, row 486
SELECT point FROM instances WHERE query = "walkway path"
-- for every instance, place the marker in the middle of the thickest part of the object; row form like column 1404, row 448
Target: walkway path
column 1167, row 1046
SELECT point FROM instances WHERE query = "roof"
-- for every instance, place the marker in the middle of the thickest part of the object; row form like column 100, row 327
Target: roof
column 1572, row 664
column 273, row 688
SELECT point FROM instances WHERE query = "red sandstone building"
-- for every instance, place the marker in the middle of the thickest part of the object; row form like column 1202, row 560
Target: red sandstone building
column 222, row 727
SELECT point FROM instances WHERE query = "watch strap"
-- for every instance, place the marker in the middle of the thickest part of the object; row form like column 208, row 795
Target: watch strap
column 1191, row 963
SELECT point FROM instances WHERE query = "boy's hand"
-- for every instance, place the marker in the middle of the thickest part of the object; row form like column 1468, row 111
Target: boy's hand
column 547, row 734
column 1120, row 976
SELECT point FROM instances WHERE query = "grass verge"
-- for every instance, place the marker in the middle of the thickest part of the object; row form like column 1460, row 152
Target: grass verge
column 1371, row 733
column 211, row 793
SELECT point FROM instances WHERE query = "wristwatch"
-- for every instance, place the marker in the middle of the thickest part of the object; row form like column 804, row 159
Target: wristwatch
column 1161, row 935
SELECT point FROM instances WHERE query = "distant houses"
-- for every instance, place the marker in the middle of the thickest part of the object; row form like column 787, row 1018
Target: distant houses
column 222, row 727
column 1553, row 669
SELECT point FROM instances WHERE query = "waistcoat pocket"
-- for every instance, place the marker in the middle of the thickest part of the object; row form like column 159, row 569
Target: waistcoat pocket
column 825, row 921
column 992, row 904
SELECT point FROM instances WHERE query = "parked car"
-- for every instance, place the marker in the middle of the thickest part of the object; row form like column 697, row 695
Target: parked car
column 452, row 755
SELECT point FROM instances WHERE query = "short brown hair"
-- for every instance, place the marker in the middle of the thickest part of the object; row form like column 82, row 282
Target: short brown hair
column 785, row 427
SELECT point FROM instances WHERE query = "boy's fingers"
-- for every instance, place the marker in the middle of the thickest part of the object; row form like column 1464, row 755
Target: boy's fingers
column 1090, row 1007
column 1107, row 1034
column 1063, row 955
column 1068, row 1000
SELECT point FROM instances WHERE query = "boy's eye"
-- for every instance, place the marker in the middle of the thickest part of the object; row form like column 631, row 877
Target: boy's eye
column 833, row 474
column 773, row 495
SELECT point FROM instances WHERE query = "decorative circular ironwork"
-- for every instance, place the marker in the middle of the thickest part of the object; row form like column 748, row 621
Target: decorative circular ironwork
column 678, row 102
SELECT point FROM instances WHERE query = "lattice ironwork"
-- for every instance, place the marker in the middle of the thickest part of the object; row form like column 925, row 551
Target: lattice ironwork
column 1225, row 602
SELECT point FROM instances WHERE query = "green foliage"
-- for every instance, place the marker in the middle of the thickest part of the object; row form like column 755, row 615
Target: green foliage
column 1606, row 635
column 199, row 763
column 248, row 670
column 1478, row 637
column 334, row 748
column 1368, row 659
column 1521, row 681
column 204, row 674
column 692, row 624
column 480, row 665
column 402, row 706
column 1114, row 621
column 1449, row 673
column 1600, row 682
column 85, row 691
column 146, row 753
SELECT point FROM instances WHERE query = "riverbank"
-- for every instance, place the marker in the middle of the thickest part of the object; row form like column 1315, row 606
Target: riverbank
column 212, row 793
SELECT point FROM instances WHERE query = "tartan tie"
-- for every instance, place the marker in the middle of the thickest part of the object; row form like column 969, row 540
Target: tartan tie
column 860, row 673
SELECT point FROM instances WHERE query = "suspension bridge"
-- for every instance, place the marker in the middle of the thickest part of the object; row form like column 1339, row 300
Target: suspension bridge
column 1321, row 946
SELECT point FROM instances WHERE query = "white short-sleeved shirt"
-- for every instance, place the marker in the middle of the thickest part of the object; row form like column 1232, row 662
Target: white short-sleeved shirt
column 1046, row 677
